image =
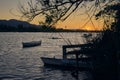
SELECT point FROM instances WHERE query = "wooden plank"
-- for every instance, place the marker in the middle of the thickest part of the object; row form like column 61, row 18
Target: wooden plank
column 83, row 48
column 75, row 46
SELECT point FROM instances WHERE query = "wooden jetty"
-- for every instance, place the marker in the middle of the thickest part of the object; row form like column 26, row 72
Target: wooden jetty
column 80, row 60
column 87, row 56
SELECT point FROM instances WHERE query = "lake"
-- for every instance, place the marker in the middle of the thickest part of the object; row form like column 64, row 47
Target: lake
column 17, row 63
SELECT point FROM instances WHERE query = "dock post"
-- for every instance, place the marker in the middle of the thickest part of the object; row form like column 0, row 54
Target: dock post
column 75, row 73
column 77, row 61
column 64, row 52
column 77, row 64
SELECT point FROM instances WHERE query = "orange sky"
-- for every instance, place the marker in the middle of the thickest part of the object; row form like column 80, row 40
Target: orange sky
column 75, row 21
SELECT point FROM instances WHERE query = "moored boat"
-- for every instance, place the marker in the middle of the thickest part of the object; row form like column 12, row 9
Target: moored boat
column 66, row 63
column 83, row 62
column 31, row 44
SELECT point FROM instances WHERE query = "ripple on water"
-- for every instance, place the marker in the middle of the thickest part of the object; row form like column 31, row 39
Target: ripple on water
column 17, row 63
column 10, row 77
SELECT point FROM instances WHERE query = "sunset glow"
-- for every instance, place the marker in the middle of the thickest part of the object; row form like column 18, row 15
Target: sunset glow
column 75, row 21
column 89, row 28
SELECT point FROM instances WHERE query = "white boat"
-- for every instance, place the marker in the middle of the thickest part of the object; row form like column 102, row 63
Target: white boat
column 69, row 63
column 66, row 63
column 31, row 44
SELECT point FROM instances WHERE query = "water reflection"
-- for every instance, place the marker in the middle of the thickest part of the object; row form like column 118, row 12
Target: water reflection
column 17, row 63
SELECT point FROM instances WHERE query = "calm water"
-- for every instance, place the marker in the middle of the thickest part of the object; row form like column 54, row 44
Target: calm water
column 17, row 63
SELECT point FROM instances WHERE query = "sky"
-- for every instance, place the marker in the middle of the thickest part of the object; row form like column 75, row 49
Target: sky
column 75, row 21
column 5, row 7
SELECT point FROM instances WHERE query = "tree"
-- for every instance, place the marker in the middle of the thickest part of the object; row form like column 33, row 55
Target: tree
column 109, row 10
column 59, row 10
column 110, row 39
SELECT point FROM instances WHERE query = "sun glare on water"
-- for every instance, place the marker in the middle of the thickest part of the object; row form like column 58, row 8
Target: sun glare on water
column 89, row 28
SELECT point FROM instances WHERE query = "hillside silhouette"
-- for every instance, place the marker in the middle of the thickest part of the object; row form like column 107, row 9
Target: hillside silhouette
column 14, row 25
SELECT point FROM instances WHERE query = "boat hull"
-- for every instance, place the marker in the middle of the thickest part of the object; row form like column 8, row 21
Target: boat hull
column 31, row 44
column 68, row 63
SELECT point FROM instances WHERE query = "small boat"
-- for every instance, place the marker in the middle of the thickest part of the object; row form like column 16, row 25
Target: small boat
column 31, row 44
column 54, row 38
column 66, row 63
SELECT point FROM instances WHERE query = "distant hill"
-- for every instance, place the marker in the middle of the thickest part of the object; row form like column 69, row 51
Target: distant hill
column 15, row 23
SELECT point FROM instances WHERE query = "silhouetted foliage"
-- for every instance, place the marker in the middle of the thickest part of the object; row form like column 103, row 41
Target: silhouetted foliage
column 106, row 46
column 111, row 34
column 58, row 10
